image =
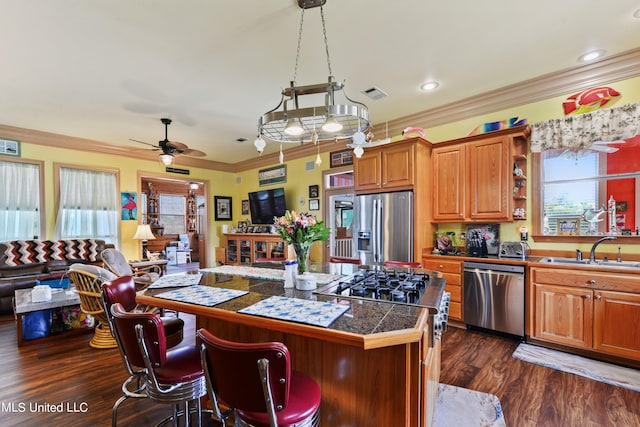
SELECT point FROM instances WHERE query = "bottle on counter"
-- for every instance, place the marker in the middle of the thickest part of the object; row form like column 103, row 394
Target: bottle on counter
column 613, row 229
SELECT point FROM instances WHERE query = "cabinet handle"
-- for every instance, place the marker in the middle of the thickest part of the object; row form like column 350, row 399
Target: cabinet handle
column 598, row 296
column 587, row 296
column 441, row 266
column 592, row 282
column 461, row 214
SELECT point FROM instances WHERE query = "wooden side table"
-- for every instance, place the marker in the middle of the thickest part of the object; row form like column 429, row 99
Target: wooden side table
column 145, row 264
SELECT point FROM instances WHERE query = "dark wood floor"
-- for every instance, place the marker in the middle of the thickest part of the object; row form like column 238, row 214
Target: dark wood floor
column 87, row 382
column 533, row 395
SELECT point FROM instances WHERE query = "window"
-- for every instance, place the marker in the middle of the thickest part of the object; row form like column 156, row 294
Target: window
column 20, row 200
column 173, row 213
column 88, row 204
column 576, row 185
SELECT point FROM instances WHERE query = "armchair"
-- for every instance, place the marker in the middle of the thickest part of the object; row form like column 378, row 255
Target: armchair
column 115, row 261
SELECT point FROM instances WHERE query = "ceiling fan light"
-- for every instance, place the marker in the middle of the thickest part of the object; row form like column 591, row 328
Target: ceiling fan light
column 166, row 159
column 294, row 127
column 331, row 125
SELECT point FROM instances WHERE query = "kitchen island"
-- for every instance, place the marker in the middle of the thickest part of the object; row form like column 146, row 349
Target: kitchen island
column 375, row 363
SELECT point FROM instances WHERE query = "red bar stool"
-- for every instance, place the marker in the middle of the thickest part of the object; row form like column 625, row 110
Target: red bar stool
column 402, row 264
column 256, row 381
column 123, row 290
column 343, row 260
column 172, row 377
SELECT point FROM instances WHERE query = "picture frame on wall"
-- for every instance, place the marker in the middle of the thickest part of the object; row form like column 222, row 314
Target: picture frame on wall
column 245, row 207
column 313, row 191
column 314, row 204
column 129, row 203
column 223, row 208
column 9, row 147
column 341, row 158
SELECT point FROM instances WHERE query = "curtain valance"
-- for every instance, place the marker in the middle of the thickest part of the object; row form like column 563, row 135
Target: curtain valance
column 581, row 131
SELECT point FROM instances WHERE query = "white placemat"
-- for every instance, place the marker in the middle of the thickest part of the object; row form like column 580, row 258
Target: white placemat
column 176, row 280
column 202, row 295
column 297, row 310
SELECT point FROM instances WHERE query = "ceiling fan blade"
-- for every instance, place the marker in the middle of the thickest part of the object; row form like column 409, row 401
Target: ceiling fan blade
column 608, row 142
column 193, row 153
column 603, row 148
column 177, row 145
column 142, row 142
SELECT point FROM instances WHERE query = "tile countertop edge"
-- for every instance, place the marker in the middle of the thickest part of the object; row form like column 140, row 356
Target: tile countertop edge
column 369, row 341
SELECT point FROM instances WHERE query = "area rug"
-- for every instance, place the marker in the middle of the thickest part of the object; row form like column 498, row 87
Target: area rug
column 461, row 407
column 593, row 369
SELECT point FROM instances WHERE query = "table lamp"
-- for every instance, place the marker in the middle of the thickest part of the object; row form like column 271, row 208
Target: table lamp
column 144, row 233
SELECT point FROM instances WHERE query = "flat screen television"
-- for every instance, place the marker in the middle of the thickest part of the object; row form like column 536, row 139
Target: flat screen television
column 266, row 204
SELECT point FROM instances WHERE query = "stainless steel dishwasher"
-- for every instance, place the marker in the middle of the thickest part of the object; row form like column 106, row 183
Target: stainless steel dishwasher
column 494, row 297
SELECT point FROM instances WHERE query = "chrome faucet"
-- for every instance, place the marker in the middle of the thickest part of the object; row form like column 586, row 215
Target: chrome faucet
column 592, row 254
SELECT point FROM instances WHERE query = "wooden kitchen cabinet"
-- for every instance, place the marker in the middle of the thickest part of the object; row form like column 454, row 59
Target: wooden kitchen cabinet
column 245, row 248
column 473, row 177
column 451, row 271
column 591, row 310
column 386, row 168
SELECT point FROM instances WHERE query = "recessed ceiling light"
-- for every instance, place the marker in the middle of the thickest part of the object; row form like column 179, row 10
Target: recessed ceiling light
column 427, row 86
column 590, row 56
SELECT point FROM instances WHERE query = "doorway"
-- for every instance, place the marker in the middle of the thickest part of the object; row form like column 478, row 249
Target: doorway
column 338, row 202
column 176, row 210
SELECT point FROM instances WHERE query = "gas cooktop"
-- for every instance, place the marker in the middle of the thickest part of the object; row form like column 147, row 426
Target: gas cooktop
column 416, row 287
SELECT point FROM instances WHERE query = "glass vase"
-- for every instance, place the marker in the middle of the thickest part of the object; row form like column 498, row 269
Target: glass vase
column 302, row 256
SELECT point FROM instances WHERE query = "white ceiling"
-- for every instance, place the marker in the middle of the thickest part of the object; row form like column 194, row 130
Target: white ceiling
column 109, row 70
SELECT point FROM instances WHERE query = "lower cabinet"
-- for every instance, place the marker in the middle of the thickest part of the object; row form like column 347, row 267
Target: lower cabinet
column 247, row 248
column 595, row 311
column 452, row 273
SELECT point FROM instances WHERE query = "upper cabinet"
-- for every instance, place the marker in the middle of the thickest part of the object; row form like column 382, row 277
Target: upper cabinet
column 481, row 178
column 386, row 168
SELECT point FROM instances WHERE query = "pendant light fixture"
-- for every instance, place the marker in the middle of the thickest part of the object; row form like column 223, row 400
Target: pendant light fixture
column 289, row 122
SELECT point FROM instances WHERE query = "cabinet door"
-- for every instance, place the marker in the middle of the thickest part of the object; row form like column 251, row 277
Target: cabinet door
column 563, row 315
column 489, row 169
column 232, row 251
column 448, row 183
column 616, row 327
column 397, row 167
column 368, row 171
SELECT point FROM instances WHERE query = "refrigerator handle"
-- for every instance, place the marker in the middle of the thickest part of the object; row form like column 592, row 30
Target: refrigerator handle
column 374, row 233
column 378, row 224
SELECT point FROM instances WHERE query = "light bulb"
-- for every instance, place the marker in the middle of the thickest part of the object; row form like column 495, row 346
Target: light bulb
column 331, row 125
column 281, row 157
column 294, row 127
column 358, row 151
column 318, row 160
column 259, row 144
column 166, row 159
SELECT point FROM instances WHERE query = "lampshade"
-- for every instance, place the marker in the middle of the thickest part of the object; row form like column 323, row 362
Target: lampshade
column 143, row 233
column 166, row 159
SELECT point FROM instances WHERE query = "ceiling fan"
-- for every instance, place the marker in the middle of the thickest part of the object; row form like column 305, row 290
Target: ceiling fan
column 171, row 148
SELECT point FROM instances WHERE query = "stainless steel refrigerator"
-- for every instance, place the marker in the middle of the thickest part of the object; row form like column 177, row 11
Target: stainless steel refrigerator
column 383, row 227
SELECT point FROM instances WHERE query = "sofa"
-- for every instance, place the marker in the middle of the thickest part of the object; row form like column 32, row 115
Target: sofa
column 22, row 262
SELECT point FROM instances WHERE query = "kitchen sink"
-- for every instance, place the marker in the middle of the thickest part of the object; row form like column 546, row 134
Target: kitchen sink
column 600, row 263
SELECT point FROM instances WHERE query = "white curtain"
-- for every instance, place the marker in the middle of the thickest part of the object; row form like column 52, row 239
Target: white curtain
column 581, row 131
column 88, row 205
column 19, row 201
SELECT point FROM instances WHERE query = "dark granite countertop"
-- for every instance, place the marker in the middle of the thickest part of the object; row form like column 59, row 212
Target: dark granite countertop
column 362, row 318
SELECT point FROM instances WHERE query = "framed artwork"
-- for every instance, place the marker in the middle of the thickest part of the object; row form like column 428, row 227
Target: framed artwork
column 9, row 147
column 313, row 191
column 341, row 158
column 621, row 206
column 129, row 203
column 314, row 204
column 223, row 208
column 245, row 207
column 273, row 175
column 568, row 226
